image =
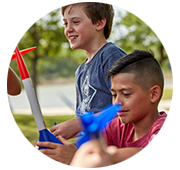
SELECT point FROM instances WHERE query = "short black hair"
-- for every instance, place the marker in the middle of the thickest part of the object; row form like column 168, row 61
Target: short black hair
column 146, row 68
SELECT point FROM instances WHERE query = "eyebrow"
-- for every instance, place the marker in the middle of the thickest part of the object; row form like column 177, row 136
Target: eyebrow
column 72, row 18
column 120, row 90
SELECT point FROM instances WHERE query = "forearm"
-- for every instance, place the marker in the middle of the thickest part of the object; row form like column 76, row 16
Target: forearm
column 67, row 129
column 137, row 156
column 76, row 126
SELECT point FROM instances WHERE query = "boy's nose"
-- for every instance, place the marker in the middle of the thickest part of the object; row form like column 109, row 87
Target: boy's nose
column 117, row 100
column 69, row 28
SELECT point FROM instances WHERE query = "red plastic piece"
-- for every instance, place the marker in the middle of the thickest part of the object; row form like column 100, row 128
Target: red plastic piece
column 23, row 52
column 21, row 65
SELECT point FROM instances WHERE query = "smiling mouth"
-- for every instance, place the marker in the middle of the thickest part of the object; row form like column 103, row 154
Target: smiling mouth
column 122, row 113
column 72, row 37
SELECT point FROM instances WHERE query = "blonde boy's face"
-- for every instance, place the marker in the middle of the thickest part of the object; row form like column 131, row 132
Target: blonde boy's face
column 79, row 29
column 135, row 102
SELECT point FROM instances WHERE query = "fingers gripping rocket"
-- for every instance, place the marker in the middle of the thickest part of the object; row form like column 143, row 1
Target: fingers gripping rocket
column 44, row 134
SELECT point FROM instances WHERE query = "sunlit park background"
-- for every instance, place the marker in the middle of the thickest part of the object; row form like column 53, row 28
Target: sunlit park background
column 52, row 66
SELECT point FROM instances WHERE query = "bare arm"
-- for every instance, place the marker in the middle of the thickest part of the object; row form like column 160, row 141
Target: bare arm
column 139, row 156
column 13, row 83
column 67, row 129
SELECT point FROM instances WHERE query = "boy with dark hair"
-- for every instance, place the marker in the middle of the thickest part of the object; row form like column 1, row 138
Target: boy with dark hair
column 87, row 27
column 137, row 84
column 143, row 135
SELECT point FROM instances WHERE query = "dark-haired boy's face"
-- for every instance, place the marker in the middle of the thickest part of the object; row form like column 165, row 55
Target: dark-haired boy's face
column 135, row 101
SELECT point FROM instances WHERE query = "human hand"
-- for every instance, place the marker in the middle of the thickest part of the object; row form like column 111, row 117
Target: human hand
column 67, row 129
column 89, row 156
column 61, row 153
column 23, row 161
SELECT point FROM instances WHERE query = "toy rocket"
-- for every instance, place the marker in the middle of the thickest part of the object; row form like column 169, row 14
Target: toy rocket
column 94, row 124
column 44, row 134
column 25, row 51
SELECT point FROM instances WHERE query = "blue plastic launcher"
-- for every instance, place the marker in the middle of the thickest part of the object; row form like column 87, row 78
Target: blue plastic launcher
column 94, row 124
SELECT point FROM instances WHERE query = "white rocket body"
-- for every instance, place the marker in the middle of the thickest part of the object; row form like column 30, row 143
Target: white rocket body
column 34, row 104
column 44, row 134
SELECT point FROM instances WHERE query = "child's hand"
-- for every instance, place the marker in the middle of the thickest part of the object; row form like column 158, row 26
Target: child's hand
column 62, row 153
column 88, row 156
column 67, row 129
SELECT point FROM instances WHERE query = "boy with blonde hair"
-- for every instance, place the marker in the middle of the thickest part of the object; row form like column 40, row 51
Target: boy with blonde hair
column 88, row 26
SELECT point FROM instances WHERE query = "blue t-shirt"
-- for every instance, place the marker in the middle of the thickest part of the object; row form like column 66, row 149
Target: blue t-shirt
column 92, row 86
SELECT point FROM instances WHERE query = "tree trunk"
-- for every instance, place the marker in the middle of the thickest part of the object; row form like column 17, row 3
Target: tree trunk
column 35, row 35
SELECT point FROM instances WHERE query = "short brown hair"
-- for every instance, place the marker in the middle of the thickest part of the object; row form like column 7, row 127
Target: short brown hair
column 97, row 11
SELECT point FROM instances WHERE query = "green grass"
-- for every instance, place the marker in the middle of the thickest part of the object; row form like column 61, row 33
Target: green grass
column 22, row 133
column 167, row 94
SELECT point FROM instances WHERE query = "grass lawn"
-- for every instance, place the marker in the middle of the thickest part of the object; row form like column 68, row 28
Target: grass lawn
column 167, row 94
column 22, row 133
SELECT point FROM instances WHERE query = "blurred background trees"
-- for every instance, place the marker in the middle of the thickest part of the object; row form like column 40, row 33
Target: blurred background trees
column 47, row 36
column 53, row 57
column 149, row 27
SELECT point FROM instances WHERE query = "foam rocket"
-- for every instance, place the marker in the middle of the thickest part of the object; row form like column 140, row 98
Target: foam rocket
column 94, row 124
column 44, row 134
column 12, row 56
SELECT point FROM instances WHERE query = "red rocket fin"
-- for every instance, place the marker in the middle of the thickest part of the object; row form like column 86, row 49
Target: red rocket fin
column 21, row 65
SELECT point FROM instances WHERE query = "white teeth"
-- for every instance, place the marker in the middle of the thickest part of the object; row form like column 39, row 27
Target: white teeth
column 72, row 37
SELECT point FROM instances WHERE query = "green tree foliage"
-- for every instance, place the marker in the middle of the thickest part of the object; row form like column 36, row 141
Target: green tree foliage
column 47, row 36
column 53, row 57
column 149, row 27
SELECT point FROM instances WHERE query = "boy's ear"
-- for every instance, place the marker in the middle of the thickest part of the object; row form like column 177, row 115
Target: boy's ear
column 101, row 24
column 155, row 93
